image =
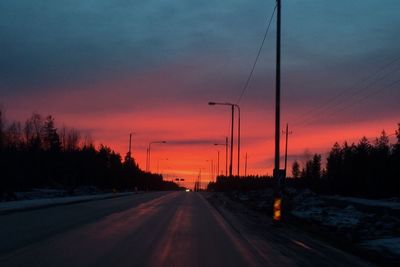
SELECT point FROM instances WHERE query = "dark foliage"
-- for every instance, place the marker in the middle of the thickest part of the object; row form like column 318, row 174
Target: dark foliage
column 365, row 169
column 296, row 169
column 236, row 183
column 362, row 169
column 37, row 156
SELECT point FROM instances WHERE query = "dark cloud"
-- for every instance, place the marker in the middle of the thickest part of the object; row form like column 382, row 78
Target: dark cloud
column 61, row 45
column 47, row 41
column 191, row 142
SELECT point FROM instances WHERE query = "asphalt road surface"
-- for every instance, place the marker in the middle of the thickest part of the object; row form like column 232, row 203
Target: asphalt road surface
column 152, row 229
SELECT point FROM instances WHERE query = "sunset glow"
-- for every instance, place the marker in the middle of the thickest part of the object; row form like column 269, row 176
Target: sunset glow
column 191, row 133
column 155, row 80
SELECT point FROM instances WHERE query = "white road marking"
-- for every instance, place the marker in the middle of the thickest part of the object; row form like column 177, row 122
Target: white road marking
column 301, row 244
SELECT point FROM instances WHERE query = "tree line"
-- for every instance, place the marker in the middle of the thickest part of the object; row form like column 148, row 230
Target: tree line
column 364, row 169
column 240, row 183
column 37, row 154
column 369, row 169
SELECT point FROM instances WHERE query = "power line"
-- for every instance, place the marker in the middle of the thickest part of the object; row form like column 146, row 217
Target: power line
column 350, row 105
column 347, row 103
column 355, row 85
column 343, row 103
column 322, row 110
column 256, row 59
column 325, row 106
column 373, row 83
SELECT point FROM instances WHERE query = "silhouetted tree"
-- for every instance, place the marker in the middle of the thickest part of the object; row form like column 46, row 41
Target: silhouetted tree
column 87, row 141
column 72, row 140
column 311, row 173
column 334, row 167
column 1, row 129
column 397, row 133
column 395, row 163
column 364, row 169
column 51, row 139
column 33, row 131
column 33, row 157
column 380, row 166
column 306, row 171
column 296, row 169
column 316, row 167
column 13, row 135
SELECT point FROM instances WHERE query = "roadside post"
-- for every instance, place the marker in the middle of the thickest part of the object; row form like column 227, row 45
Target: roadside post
column 279, row 181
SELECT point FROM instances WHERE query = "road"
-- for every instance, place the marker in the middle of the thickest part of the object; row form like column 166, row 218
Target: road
column 152, row 229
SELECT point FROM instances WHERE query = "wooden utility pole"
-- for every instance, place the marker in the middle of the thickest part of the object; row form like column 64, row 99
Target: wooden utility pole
column 147, row 159
column 231, row 162
column 217, row 166
column 277, row 172
column 245, row 166
column 286, row 145
column 226, row 156
column 277, row 87
column 130, row 146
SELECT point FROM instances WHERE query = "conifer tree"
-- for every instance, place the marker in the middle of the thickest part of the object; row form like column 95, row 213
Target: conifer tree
column 296, row 169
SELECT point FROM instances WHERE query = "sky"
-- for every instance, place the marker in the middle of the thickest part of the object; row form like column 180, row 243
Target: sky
column 111, row 67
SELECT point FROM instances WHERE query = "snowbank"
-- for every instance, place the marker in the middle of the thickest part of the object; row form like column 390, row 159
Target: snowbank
column 20, row 205
column 391, row 245
column 393, row 203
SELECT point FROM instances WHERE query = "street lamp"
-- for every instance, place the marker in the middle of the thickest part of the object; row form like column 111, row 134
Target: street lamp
column 149, row 151
column 226, row 154
column 211, row 169
column 158, row 165
column 217, row 164
column 233, row 106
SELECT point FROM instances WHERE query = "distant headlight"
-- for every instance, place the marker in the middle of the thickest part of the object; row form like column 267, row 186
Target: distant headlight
column 187, row 190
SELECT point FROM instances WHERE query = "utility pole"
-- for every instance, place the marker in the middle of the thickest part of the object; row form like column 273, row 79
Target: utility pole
column 226, row 156
column 199, row 180
column 277, row 171
column 233, row 118
column 278, row 86
column 286, row 145
column 218, row 165
column 245, row 166
column 130, row 146
column 233, row 106
column 211, row 168
column 213, row 171
column 148, row 153
column 147, row 159
column 238, row 149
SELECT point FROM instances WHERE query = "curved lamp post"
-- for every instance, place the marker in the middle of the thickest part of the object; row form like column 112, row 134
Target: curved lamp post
column 233, row 106
column 149, row 151
column 226, row 154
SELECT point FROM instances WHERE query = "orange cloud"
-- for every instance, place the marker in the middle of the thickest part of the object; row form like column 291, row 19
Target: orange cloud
column 145, row 105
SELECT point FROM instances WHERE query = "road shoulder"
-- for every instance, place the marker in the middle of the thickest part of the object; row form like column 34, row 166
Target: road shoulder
column 286, row 240
column 24, row 205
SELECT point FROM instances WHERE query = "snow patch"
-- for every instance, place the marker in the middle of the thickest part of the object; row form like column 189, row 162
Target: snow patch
column 391, row 245
column 393, row 203
column 44, row 202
